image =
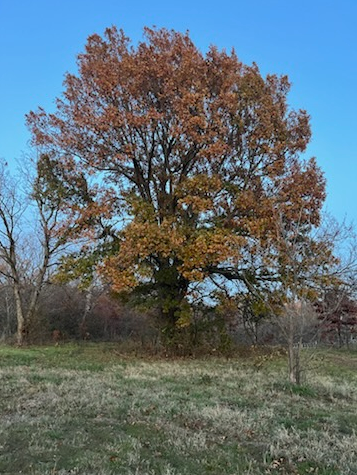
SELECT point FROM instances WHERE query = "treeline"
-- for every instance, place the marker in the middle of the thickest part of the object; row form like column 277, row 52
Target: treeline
column 65, row 313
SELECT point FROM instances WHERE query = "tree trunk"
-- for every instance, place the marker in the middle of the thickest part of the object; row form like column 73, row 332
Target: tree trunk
column 294, row 363
column 21, row 327
column 7, row 332
column 293, row 353
column 87, row 309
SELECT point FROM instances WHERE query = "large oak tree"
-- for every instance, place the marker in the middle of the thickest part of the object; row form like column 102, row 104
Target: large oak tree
column 179, row 163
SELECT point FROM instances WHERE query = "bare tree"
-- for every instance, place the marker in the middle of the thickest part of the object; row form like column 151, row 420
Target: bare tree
column 304, row 266
column 32, row 236
column 12, row 208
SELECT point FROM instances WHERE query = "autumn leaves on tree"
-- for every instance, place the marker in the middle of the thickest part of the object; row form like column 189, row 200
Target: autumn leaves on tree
column 178, row 165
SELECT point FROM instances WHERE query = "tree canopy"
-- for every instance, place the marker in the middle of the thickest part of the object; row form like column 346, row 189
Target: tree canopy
column 178, row 164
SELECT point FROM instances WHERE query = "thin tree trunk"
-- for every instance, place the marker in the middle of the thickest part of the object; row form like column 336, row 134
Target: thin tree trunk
column 293, row 353
column 87, row 309
column 294, row 364
column 19, row 315
column 8, row 315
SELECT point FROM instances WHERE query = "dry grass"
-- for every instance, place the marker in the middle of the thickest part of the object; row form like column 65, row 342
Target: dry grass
column 84, row 410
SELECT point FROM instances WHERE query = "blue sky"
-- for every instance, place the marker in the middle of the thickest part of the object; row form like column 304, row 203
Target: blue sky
column 314, row 42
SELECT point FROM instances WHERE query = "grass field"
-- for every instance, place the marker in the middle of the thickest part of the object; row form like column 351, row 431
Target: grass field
column 88, row 410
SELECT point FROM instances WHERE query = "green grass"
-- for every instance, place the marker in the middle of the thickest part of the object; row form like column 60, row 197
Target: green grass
column 86, row 410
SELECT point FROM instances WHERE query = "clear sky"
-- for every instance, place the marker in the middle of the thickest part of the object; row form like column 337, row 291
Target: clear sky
column 314, row 42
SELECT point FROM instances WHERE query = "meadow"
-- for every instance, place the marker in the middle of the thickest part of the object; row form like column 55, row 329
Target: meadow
column 88, row 409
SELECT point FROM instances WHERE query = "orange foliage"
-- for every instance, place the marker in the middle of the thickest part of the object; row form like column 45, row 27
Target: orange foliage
column 198, row 152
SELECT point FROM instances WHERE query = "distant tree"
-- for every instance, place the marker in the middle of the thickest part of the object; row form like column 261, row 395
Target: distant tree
column 177, row 163
column 27, row 250
column 337, row 315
